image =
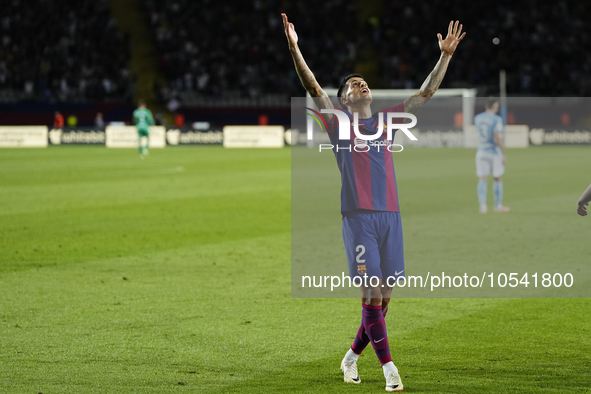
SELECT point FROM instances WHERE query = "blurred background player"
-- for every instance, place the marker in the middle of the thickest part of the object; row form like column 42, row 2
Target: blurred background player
column 584, row 201
column 490, row 156
column 143, row 119
column 372, row 230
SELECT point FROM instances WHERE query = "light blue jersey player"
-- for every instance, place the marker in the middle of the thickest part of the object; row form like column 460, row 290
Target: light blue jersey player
column 490, row 156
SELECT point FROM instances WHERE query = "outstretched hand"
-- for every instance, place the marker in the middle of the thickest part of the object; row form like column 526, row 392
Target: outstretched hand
column 449, row 45
column 582, row 208
column 290, row 33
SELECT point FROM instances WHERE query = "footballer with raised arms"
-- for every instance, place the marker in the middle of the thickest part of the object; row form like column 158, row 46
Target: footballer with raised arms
column 372, row 230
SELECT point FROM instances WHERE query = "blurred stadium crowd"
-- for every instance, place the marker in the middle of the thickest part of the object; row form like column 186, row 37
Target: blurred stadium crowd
column 540, row 45
column 73, row 50
column 67, row 50
column 238, row 49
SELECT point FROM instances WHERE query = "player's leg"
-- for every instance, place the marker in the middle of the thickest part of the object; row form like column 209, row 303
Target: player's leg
column 498, row 170
column 391, row 373
column 363, row 257
column 144, row 141
column 361, row 339
column 392, row 266
column 375, row 325
column 483, row 170
column 482, row 190
column 386, row 294
column 139, row 141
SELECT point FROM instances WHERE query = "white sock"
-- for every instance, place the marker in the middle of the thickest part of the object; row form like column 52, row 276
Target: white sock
column 389, row 367
column 351, row 356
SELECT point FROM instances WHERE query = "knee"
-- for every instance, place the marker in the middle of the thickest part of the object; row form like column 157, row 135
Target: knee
column 373, row 301
column 372, row 296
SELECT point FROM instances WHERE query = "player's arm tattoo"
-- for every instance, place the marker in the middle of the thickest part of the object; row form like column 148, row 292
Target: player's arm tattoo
column 306, row 76
column 309, row 82
column 321, row 99
column 429, row 87
column 434, row 79
column 431, row 84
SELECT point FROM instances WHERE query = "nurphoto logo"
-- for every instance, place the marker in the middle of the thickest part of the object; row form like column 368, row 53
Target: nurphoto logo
column 363, row 142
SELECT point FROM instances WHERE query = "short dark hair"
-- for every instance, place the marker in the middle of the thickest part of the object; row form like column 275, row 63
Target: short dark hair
column 490, row 102
column 141, row 102
column 344, row 83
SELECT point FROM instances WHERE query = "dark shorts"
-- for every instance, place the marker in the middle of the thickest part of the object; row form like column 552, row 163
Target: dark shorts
column 373, row 242
column 143, row 132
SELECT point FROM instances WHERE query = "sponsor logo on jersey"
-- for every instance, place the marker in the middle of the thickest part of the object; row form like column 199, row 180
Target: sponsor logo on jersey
column 362, row 144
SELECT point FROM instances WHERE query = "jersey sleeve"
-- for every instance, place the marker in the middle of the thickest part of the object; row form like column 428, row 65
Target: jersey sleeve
column 395, row 108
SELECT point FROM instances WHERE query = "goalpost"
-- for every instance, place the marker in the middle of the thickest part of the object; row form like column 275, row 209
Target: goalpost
column 468, row 96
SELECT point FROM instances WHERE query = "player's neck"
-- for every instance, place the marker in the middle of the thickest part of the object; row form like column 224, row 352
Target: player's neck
column 363, row 111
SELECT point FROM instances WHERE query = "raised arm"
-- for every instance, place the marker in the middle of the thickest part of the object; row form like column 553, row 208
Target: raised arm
column 307, row 78
column 583, row 202
column 431, row 84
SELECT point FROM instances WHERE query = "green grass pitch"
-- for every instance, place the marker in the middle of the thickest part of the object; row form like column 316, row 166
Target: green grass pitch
column 172, row 275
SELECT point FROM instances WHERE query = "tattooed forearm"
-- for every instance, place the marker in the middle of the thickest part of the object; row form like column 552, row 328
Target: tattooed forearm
column 431, row 84
column 414, row 103
column 306, row 76
column 434, row 79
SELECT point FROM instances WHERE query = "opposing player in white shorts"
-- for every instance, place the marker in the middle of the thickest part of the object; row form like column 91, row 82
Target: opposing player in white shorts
column 490, row 156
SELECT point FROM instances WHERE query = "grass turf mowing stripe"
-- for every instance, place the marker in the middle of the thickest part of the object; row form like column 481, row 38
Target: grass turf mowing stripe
column 171, row 326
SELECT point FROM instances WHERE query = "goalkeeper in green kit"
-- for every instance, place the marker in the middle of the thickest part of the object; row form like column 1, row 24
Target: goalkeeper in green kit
column 142, row 118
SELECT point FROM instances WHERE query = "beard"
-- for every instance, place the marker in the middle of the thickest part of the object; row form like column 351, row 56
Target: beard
column 363, row 100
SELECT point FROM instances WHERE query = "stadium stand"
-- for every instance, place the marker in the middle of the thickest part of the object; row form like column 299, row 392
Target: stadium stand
column 234, row 54
column 542, row 54
column 237, row 52
column 62, row 51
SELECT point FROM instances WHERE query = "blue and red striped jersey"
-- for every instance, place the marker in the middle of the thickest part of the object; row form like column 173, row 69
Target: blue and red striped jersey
column 368, row 180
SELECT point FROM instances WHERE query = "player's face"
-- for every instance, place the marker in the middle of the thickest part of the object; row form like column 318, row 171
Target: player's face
column 357, row 92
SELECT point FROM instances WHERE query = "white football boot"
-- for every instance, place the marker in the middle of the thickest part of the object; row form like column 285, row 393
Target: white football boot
column 350, row 372
column 393, row 382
